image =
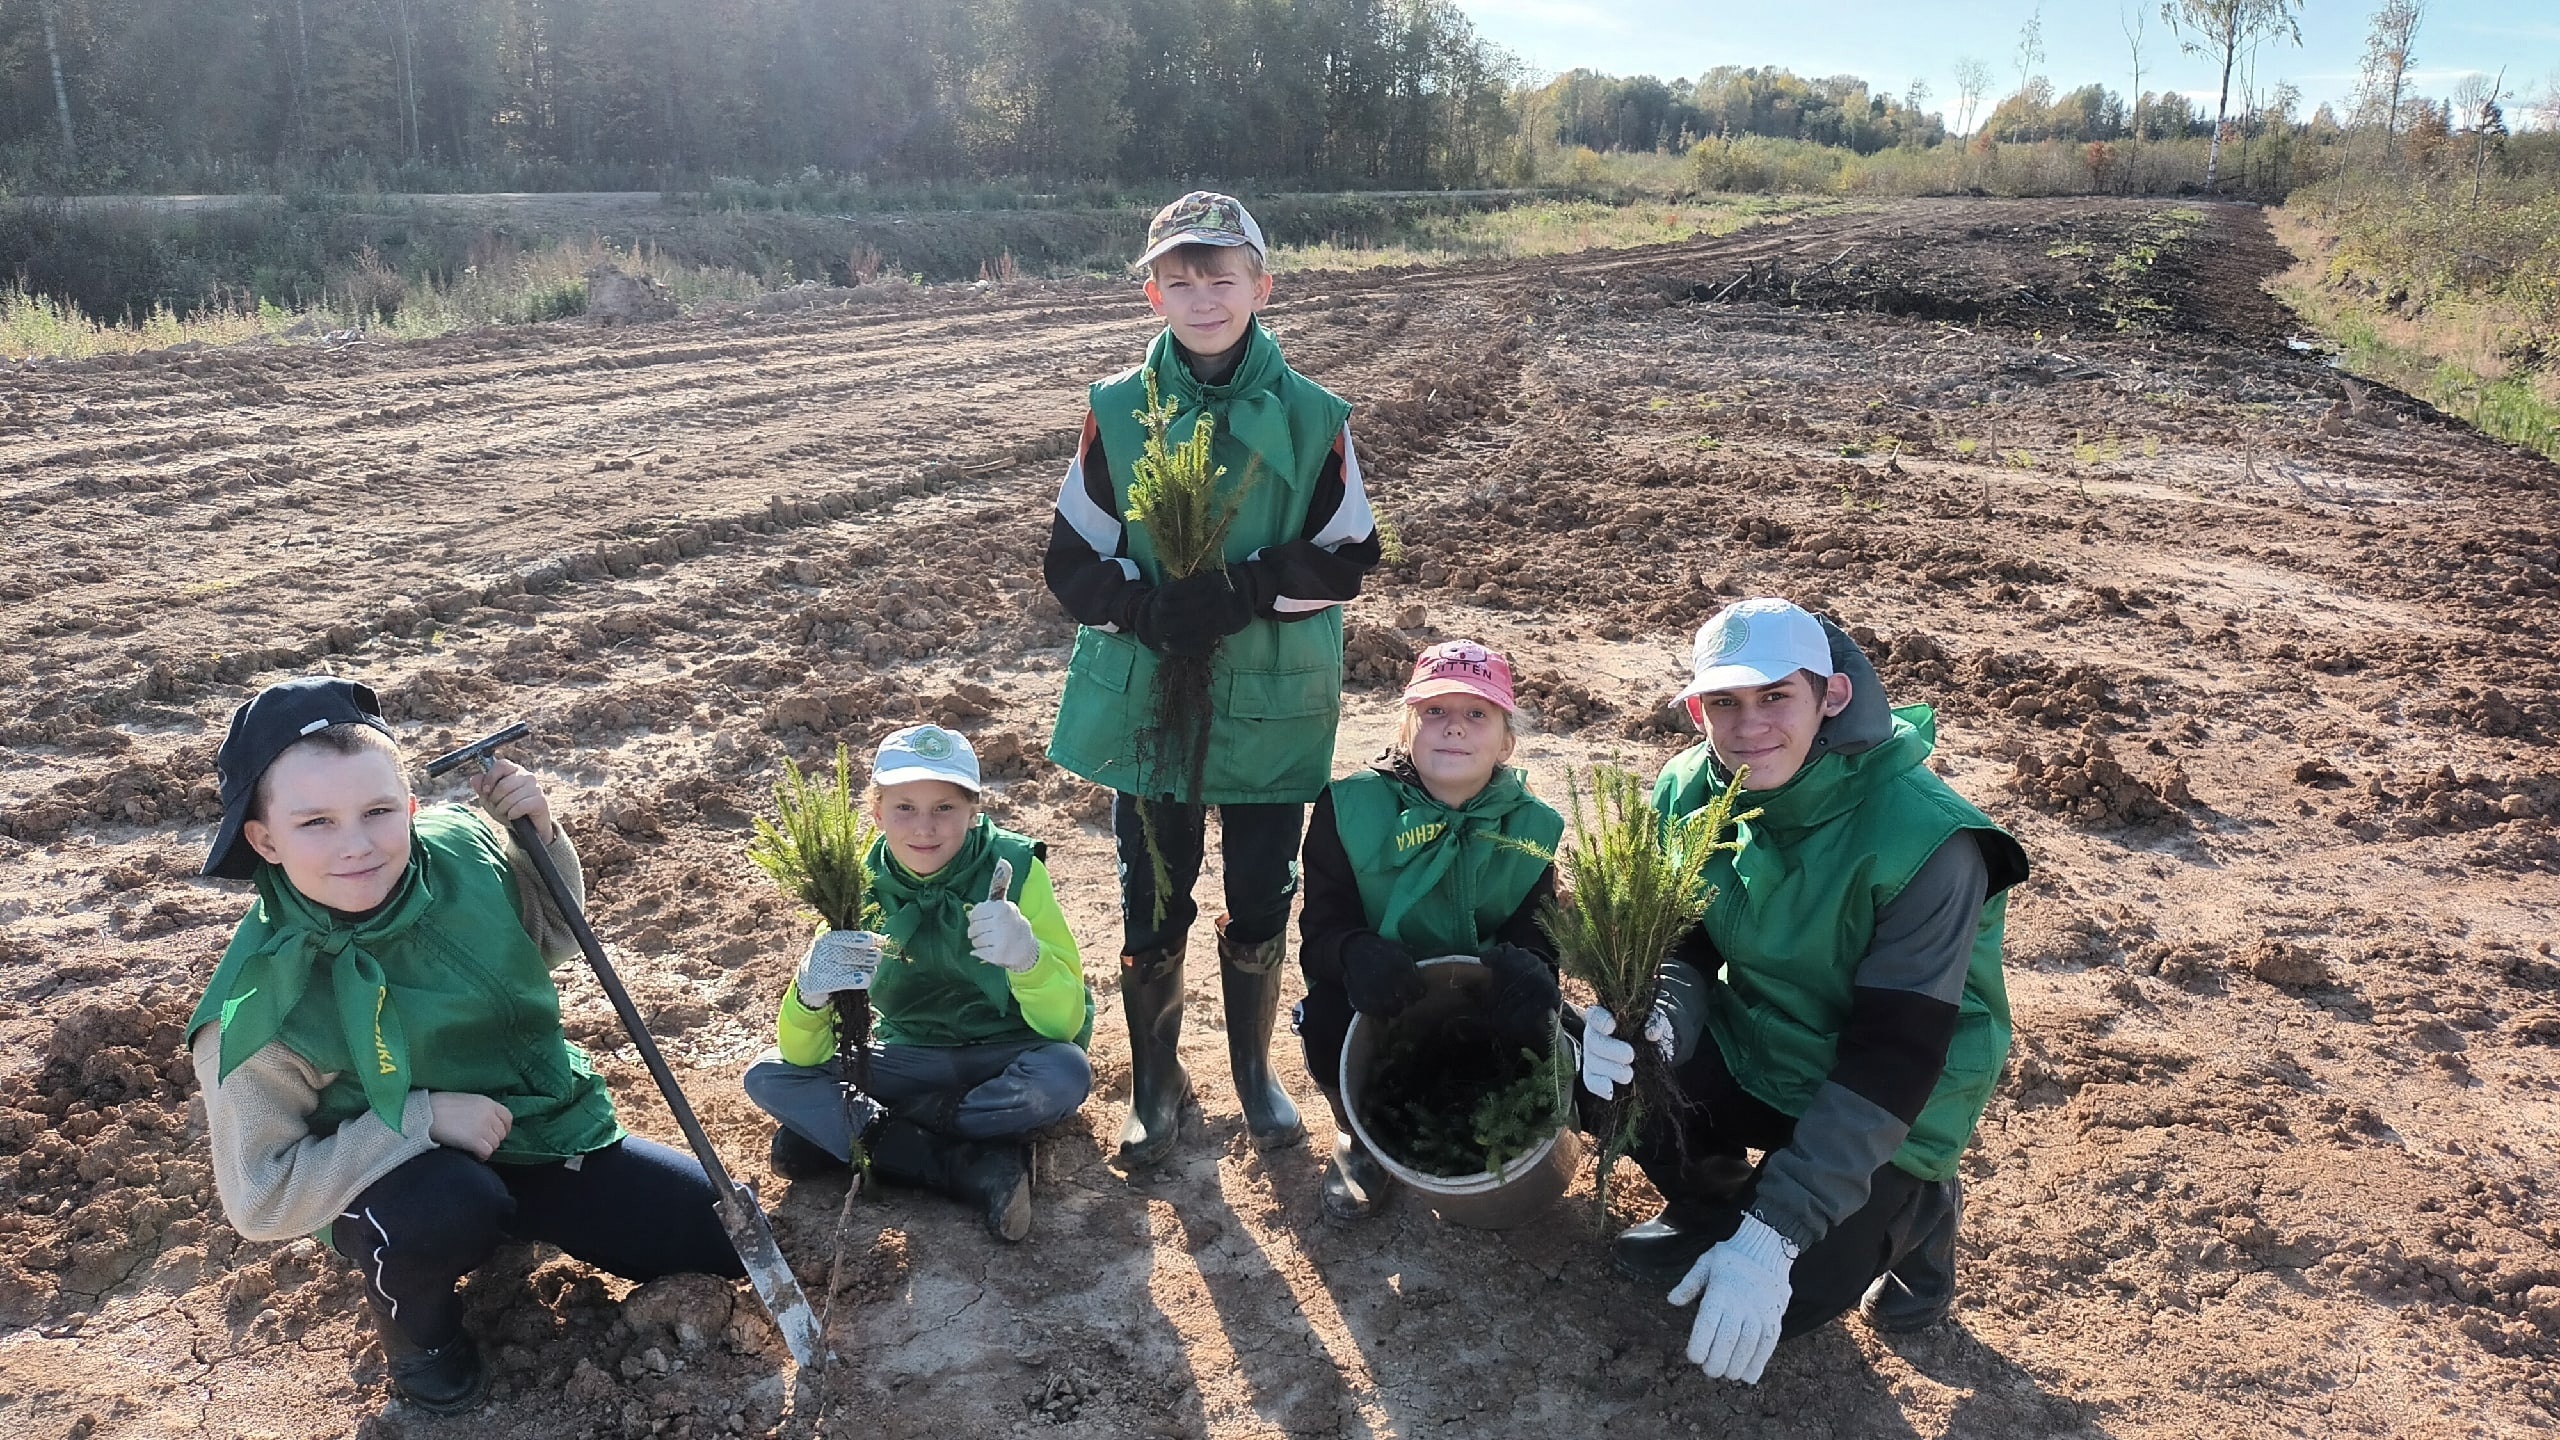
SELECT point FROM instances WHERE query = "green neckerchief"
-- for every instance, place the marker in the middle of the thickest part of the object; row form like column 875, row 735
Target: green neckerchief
column 1430, row 838
column 918, row 913
column 1249, row 402
column 267, row 984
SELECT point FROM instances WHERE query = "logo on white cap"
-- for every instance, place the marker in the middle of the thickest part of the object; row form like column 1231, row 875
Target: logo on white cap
column 1755, row 642
column 1724, row 635
column 926, row 752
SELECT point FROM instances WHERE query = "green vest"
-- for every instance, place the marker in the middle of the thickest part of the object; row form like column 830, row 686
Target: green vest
column 1440, row 881
column 439, row 989
column 1796, row 911
column 930, row 989
column 1275, row 689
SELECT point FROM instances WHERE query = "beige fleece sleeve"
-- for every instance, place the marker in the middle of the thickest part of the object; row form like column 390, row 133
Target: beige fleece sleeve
column 277, row 1180
column 542, row 919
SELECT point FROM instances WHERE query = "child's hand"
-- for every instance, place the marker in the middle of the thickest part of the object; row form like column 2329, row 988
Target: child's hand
column 509, row 792
column 473, row 1124
column 999, row 933
column 839, row 962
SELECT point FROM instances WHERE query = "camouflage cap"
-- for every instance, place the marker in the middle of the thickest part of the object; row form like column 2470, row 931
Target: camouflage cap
column 1203, row 217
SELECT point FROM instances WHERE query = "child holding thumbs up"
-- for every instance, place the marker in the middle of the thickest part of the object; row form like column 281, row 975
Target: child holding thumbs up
column 983, row 1014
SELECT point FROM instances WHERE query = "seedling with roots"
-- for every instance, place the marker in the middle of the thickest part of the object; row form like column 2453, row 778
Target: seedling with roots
column 813, row 849
column 1174, row 492
column 1633, row 884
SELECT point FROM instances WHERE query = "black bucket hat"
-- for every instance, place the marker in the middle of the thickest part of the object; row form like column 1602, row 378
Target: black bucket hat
column 264, row 728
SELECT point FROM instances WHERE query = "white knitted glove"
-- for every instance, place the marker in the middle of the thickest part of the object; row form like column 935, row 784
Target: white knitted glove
column 1744, row 1282
column 1609, row 1062
column 999, row 933
column 838, row 960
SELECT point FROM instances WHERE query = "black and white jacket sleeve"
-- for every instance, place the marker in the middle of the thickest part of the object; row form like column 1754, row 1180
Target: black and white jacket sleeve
column 1088, row 566
column 1902, row 1017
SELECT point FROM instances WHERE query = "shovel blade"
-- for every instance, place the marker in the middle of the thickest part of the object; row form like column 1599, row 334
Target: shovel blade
column 775, row 1285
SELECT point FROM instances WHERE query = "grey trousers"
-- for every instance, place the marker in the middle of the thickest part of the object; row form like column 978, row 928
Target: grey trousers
column 1003, row 1090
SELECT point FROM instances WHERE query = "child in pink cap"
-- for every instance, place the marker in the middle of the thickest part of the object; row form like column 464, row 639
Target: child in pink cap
column 1434, row 850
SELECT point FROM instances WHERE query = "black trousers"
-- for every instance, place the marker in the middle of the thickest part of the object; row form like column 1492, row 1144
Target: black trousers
column 1322, row 1020
column 1712, row 1179
column 635, row 1208
column 1259, row 842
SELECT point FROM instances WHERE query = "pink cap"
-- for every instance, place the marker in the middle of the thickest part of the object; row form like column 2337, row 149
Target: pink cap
column 1460, row 667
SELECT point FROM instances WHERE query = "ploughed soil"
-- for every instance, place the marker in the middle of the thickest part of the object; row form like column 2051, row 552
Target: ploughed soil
column 2261, row 672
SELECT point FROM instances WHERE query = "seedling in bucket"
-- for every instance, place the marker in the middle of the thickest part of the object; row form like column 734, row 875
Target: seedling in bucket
column 1472, row 1123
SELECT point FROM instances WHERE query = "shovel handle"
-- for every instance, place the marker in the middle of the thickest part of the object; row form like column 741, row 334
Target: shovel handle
column 522, row 828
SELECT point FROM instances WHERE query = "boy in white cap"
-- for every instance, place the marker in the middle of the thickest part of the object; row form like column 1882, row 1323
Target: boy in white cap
column 1437, row 849
column 1840, row 1007
column 982, row 1012
column 1270, row 622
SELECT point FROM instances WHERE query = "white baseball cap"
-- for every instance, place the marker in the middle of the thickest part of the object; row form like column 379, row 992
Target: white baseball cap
column 926, row 752
column 1756, row 642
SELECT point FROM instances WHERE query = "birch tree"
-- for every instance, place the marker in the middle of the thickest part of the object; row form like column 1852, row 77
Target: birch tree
column 2389, row 49
column 1972, row 78
column 2134, row 22
column 2221, row 31
column 61, row 94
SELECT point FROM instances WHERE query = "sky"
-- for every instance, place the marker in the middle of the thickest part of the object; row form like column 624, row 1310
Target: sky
column 1888, row 43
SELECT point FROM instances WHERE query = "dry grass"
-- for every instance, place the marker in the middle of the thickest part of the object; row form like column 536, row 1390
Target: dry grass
column 2459, row 350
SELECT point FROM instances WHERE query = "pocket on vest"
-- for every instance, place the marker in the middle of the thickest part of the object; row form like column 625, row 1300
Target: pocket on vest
column 1106, row 659
column 1283, row 694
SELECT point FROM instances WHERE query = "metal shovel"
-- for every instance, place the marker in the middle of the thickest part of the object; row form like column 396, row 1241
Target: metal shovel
column 740, row 1215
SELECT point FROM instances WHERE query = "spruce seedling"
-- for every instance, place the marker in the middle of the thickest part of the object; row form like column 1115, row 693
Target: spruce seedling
column 813, row 849
column 1174, row 492
column 1634, row 882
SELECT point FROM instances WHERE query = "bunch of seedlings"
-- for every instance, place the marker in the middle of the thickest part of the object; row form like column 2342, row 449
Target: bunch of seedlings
column 1633, row 882
column 1454, row 1099
column 813, row 849
column 1175, row 491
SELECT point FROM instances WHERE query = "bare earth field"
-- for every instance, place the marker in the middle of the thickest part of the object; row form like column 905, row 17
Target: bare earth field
column 2260, row 671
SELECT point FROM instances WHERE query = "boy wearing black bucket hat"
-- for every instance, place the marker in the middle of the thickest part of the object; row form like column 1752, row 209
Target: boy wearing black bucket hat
column 1269, row 621
column 380, row 1048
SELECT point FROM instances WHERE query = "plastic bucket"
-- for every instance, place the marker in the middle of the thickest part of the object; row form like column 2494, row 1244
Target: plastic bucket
column 1486, row 1200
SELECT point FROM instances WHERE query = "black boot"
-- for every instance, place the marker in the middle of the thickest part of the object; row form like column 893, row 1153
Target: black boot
column 1249, row 976
column 1660, row 1251
column 1698, row 1215
column 447, row 1380
column 937, row 1110
column 796, row 1157
column 1355, row 1184
column 1921, row 1287
column 994, row 1176
column 1151, row 998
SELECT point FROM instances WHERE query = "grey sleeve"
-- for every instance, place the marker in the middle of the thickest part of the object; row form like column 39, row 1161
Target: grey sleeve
column 542, row 919
column 1902, row 1015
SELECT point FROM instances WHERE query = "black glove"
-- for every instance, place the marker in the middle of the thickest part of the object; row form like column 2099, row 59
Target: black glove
column 1523, row 999
column 1189, row 617
column 1380, row 975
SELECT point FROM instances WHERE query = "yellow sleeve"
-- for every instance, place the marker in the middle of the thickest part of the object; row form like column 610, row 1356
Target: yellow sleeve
column 1051, row 993
column 805, row 1036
